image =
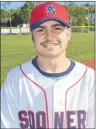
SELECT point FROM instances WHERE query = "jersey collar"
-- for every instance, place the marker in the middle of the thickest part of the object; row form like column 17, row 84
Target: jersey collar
column 61, row 74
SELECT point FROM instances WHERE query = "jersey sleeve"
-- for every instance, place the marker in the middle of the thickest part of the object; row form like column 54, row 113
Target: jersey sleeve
column 91, row 102
column 9, row 102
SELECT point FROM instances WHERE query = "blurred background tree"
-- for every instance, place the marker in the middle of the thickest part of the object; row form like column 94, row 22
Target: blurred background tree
column 79, row 15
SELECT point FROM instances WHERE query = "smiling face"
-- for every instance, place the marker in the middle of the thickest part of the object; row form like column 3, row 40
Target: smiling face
column 51, row 38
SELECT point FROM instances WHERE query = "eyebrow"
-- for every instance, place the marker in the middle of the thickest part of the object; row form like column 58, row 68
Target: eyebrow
column 57, row 24
column 54, row 25
column 41, row 26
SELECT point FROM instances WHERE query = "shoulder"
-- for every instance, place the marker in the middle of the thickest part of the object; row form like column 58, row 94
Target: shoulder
column 15, row 73
column 87, row 73
column 82, row 71
column 11, row 82
column 81, row 67
column 14, row 79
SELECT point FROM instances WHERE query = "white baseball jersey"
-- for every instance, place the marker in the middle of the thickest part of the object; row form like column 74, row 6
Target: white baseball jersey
column 32, row 98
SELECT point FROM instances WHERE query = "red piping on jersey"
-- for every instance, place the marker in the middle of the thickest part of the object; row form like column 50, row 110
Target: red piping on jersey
column 43, row 92
column 69, row 89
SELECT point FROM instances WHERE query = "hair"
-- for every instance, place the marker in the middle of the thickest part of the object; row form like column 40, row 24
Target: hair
column 32, row 37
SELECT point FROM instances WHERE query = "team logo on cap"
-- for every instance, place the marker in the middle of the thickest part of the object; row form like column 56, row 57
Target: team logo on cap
column 49, row 8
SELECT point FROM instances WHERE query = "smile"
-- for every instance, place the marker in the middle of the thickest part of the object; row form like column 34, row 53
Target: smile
column 50, row 43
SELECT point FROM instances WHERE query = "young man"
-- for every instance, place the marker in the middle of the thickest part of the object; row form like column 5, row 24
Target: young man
column 51, row 90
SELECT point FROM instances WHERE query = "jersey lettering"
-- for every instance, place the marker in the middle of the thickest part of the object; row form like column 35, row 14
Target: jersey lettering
column 58, row 120
column 23, row 117
column 81, row 119
column 41, row 120
column 29, row 119
column 71, row 115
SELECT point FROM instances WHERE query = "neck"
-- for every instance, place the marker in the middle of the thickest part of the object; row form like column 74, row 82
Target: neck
column 53, row 65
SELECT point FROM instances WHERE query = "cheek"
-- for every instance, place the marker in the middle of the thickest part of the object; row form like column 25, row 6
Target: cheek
column 63, row 38
column 35, row 37
column 38, row 39
column 37, row 42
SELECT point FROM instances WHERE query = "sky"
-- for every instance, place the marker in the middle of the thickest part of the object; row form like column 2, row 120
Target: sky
column 15, row 4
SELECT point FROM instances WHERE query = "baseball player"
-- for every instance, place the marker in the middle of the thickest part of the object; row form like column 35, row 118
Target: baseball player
column 51, row 90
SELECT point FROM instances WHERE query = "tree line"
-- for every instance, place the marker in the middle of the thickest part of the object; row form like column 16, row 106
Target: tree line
column 78, row 14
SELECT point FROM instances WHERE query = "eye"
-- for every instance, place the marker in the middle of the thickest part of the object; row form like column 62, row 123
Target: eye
column 58, row 28
column 39, row 30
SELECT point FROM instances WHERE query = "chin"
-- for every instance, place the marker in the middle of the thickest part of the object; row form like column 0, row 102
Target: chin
column 51, row 54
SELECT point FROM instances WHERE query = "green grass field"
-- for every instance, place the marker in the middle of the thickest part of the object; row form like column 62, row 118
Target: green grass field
column 16, row 49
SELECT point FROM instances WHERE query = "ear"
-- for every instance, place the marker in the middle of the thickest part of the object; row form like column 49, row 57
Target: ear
column 69, row 33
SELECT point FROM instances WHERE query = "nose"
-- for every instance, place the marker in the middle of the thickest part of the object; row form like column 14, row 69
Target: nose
column 49, row 35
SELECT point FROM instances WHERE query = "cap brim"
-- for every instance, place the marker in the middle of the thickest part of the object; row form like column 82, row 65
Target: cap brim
column 34, row 26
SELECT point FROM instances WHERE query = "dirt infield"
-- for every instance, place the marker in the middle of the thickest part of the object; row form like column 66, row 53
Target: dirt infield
column 90, row 63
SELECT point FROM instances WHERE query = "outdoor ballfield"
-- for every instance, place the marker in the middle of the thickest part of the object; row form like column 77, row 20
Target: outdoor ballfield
column 16, row 49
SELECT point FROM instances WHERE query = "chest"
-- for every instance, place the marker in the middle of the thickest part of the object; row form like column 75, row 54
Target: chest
column 57, row 95
column 53, row 103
